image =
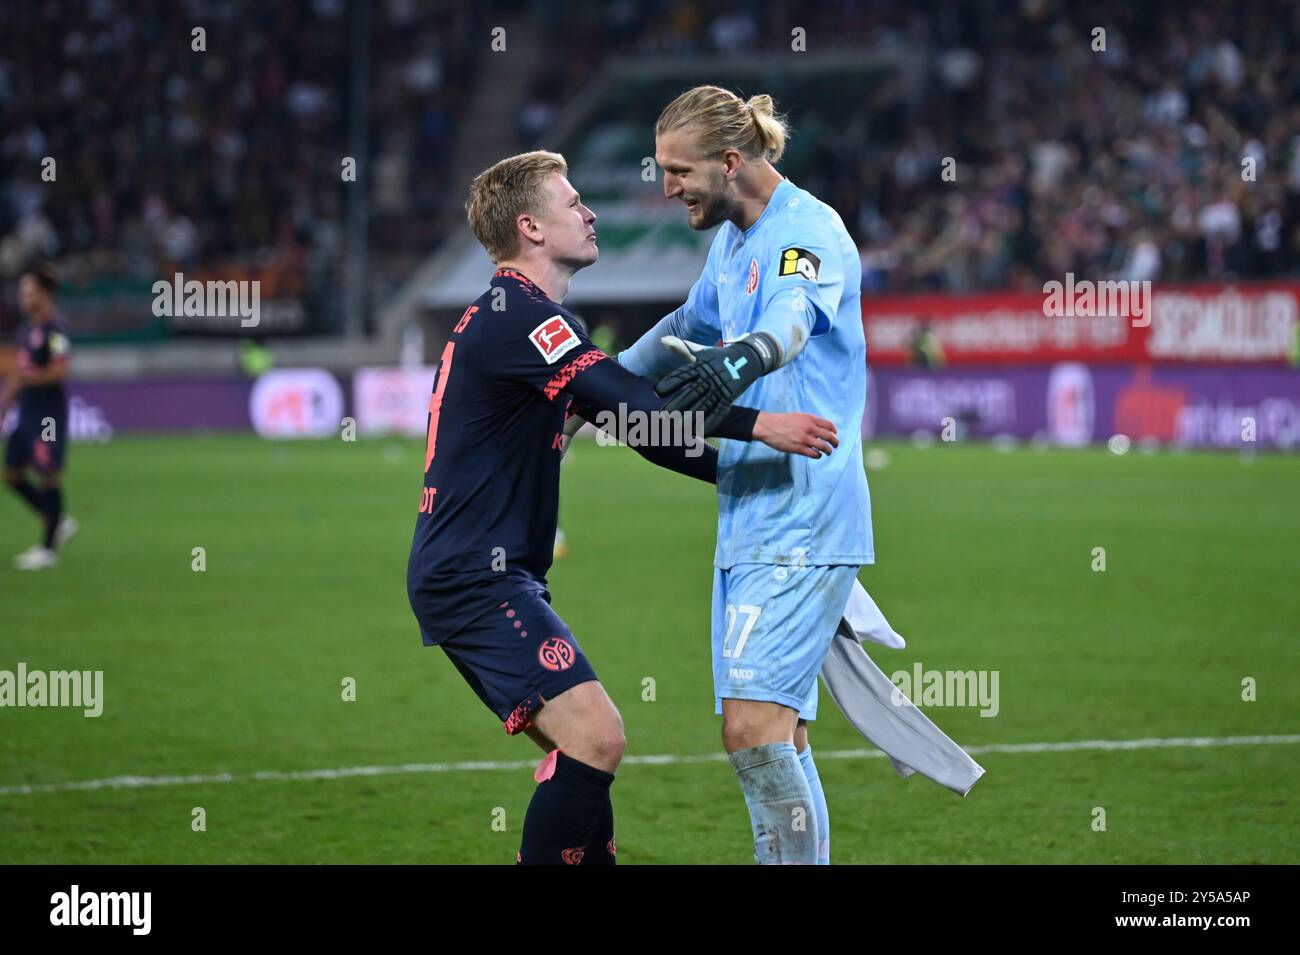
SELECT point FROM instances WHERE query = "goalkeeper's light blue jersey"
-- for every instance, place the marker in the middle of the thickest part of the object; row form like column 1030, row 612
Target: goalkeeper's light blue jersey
column 794, row 273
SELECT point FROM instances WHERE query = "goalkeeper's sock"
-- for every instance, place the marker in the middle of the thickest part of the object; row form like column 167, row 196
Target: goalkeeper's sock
column 601, row 849
column 780, row 804
column 566, row 808
column 819, row 803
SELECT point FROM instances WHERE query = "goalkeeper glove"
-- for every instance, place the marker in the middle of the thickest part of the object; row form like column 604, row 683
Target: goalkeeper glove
column 713, row 378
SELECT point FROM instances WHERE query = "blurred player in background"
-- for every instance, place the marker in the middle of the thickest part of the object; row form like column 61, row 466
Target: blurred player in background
column 780, row 295
column 40, row 439
column 485, row 533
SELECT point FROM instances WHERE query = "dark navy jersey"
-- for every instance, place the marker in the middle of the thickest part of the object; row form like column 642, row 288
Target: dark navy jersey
column 486, row 525
column 39, row 347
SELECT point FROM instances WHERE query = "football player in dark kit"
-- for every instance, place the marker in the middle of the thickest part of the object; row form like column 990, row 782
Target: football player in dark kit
column 515, row 365
column 40, row 440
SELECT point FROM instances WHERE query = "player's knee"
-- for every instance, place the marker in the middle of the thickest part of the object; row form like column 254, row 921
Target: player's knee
column 607, row 738
column 610, row 743
column 739, row 733
column 601, row 747
column 747, row 727
column 612, row 749
column 594, row 736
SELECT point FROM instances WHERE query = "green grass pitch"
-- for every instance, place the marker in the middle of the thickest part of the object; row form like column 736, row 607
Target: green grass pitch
column 984, row 562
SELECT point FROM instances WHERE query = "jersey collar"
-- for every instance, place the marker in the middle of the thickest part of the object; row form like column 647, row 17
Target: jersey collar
column 778, row 199
column 526, row 285
column 519, row 277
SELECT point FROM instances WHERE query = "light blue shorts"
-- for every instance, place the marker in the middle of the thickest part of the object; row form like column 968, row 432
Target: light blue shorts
column 772, row 628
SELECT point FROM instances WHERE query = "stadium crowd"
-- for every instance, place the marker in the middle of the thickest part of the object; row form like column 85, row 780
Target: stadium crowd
column 1165, row 148
column 1171, row 154
column 173, row 149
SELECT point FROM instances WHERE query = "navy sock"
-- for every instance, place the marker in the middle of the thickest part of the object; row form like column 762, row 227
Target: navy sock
column 27, row 491
column 564, row 813
column 601, row 849
column 53, row 512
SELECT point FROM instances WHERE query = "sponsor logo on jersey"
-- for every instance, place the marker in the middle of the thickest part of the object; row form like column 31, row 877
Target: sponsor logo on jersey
column 796, row 261
column 753, row 277
column 553, row 338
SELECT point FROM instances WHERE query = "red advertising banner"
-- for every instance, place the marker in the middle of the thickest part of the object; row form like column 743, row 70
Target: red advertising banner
column 1092, row 322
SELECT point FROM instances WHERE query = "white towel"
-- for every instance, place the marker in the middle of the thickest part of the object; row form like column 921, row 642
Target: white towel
column 866, row 698
column 863, row 619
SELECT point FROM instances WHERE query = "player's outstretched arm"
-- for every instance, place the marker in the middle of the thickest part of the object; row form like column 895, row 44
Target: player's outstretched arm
column 608, row 395
column 648, row 358
column 789, row 432
column 695, row 321
column 796, row 433
column 605, row 392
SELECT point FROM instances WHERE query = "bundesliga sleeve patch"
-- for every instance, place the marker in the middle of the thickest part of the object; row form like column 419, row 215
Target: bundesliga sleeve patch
column 554, row 338
column 796, row 261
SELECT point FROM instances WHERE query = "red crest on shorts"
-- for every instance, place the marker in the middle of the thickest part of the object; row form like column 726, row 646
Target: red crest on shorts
column 573, row 856
column 753, row 277
column 556, row 654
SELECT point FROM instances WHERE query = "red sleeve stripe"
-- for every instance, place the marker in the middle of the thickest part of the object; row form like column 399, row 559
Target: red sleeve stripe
column 570, row 371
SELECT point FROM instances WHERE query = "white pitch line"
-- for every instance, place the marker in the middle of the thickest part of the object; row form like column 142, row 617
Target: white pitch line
column 1091, row 745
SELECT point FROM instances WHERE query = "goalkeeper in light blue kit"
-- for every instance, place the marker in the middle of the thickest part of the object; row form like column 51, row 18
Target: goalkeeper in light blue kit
column 776, row 316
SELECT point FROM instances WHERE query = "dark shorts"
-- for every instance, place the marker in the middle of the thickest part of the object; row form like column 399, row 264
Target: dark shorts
column 26, row 448
column 517, row 655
